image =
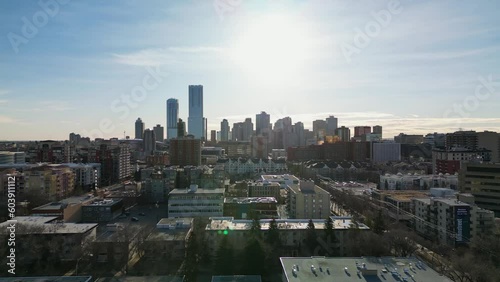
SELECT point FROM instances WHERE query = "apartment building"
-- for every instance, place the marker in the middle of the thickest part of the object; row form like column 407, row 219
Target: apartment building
column 307, row 200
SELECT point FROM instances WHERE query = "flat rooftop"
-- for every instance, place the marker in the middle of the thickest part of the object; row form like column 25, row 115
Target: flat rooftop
column 404, row 195
column 168, row 235
column 387, row 269
column 448, row 201
column 64, row 203
column 166, row 223
column 250, row 200
column 223, row 223
column 179, row 191
column 47, row 225
column 104, row 202
column 237, row 278
column 276, row 178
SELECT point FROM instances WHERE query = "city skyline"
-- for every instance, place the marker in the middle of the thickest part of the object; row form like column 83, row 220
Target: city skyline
column 72, row 73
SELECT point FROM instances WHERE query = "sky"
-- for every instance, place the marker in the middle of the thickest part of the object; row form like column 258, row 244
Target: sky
column 93, row 67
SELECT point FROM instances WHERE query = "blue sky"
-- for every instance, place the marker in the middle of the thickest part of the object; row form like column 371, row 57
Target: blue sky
column 419, row 71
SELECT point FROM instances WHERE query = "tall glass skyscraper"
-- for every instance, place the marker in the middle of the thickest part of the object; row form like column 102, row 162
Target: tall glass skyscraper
column 172, row 117
column 139, row 129
column 224, row 130
column 197, row 124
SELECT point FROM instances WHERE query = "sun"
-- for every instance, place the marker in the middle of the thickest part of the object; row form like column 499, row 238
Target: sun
column 272, row 49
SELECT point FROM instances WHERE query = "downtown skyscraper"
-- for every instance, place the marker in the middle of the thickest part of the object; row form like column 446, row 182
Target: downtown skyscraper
column 172, row 117
column 197, row 124
column 262, row 124
column 224, row 130
column 139, row 129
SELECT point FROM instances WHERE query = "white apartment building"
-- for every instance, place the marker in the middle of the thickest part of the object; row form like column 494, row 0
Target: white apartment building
column 292, row 232
column 418, row 181
column 196, row 202
column 307, row 200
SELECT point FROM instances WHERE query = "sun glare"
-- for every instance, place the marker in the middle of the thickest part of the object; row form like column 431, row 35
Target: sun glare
column 272, row 49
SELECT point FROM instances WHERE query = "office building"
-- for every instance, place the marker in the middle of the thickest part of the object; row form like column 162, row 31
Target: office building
column 462, row 139
column 359, row 131
column 331, row 125
column 409, row 139
column 247, row 129
column 224, row 130
column 262, row 124
column 197, row 123
column 149, row 142
column 195, row 202
column 185, row 151
column 237, row 132
column 319, row 129
column 490, row 141
column 139, row 129
column 181, row 128
column 450, row 160
column 377, row 129
column 344, row 133
column 307, row 200
column 12, row 157
column 435, row 140
column 159, row 133
column 213, row 136
column 172, row 117
column 482, row 180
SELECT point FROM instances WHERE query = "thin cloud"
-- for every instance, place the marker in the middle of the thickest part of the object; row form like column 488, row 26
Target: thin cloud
column 162, row 56
column 6, row 119
column 58, row 106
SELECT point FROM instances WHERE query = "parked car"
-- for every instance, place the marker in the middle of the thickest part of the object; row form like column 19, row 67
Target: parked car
column 134, row 219
column 142, row 214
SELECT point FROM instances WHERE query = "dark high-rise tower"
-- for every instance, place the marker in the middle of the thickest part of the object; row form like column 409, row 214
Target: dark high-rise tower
column 172, row 117
column 181, row 128
column 159, row 135
column 139, row 129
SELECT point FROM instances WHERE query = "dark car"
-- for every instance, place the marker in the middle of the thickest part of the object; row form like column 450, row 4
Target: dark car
column 134, row 219
column 142, row 214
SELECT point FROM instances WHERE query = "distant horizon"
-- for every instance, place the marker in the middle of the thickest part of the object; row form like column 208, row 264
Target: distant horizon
column 95, row 66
